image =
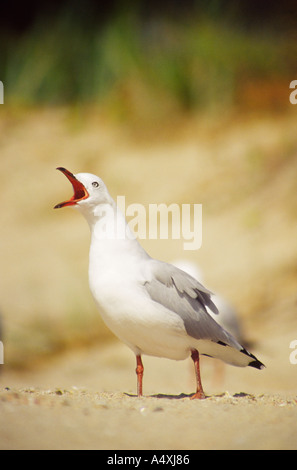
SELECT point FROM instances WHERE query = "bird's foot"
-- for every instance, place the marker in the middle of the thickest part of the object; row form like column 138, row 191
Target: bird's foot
column 198, row 396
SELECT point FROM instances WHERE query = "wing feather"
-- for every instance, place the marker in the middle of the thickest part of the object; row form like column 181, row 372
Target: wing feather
column 184, row 295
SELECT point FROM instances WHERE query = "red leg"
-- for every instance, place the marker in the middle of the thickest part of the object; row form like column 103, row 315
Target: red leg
column 199, row 390
column 139, row 372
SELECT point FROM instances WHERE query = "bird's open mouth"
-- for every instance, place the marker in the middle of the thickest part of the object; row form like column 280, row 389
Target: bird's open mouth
column 80, row 191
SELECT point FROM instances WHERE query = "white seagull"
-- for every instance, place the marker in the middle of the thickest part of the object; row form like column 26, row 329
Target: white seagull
column 153, row 307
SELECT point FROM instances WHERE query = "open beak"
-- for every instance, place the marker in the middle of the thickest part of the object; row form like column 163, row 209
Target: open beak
column 80, row 191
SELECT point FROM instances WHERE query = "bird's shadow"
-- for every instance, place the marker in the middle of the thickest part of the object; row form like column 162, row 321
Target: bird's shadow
column 190, row 395
column 163, row 395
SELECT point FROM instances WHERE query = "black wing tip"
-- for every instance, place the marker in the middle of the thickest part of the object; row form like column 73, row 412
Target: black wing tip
column 255, row 362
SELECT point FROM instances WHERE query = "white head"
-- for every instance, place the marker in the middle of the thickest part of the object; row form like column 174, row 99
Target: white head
column 93, row 200
column 89, row 191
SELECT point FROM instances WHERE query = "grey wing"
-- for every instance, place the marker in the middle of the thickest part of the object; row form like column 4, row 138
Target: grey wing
column 184, row 295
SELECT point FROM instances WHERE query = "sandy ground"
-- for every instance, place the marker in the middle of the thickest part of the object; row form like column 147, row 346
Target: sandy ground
column 86, row 400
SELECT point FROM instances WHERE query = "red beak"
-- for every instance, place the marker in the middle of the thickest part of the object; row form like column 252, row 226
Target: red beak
column 80, row 191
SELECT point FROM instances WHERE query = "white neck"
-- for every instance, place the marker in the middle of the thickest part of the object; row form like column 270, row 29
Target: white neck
column 111, row 236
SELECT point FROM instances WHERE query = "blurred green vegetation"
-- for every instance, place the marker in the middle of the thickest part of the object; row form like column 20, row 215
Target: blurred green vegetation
column 132, row 65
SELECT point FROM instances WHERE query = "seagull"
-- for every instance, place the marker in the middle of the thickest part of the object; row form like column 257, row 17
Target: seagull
column 155, row 308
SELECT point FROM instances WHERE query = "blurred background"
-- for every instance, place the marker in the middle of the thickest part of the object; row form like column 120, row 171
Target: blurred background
column 169, row 102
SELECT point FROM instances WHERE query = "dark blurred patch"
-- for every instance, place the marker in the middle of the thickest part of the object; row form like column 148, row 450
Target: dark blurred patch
column 19, row 17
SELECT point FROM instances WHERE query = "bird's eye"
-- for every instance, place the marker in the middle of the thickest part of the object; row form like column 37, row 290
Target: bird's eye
column 95, row 184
